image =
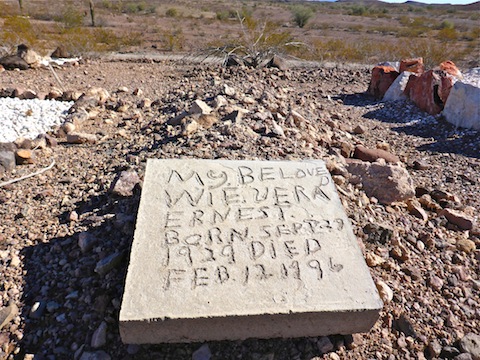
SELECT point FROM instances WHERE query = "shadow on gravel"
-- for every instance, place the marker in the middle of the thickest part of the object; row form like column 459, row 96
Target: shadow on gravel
column 70, row 289
column 443, row 137
column 65, row 297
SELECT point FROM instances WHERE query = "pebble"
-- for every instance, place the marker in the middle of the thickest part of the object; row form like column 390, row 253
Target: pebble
column 81, row 138
column 386, row 293
column 7, row 314
column 124, row 183
column 466, row 245
column 107, row 264
column 202, row 353
column 37, row 310
column 324, row 345
column 86, row 242
column 99, row 337
column 435, row 282
column 15, row 262
column 96, row 355
column 373, row 259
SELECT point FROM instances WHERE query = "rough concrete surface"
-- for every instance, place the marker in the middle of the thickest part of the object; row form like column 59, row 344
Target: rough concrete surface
column 240, row 249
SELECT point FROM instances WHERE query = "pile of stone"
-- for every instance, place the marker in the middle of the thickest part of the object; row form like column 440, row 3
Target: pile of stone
column 22, row 150
column 26, row 58
column 431, row 90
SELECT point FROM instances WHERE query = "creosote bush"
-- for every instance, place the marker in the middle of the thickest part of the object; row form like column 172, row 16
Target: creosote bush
column 172, row 12
column 301, row 15
column 17, row 30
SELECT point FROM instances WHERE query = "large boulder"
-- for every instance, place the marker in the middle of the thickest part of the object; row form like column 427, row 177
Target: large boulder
column 387, row 183
column 11, row 62
column 430, row 90
column 396, row 91
column 463, row 106
column 382, row 77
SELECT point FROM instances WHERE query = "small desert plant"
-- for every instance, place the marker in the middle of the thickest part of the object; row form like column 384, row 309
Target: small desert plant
column 17, row 29
column 358, row 10
column 71, row 17
column 301, row 15
column 172, row 12
column 447, row 34
column 260, row 40
column 447, row 25
column 173, row 39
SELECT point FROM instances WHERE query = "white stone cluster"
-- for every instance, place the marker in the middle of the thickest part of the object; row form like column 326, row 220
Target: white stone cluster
column 29, row 118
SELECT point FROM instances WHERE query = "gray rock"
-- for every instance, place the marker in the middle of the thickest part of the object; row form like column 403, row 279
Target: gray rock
column 86, row 241
column 324, row 345
column 37, row 310
column 7, row 161
column 202, row 353
column 124, row 184
column 52, row 306
column 132, row 349
column 470, row 344
column 105, row 265
column 464, row 356
column 12, row 62
column 99, row 337
column 97, row 355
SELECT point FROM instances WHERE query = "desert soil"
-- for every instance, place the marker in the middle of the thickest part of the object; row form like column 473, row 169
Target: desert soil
column 430, row 265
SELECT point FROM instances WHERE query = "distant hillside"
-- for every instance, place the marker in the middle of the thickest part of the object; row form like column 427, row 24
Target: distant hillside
column 469, row 7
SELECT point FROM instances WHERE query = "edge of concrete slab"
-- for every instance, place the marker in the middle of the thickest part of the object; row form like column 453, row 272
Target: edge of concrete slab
column 310, row 324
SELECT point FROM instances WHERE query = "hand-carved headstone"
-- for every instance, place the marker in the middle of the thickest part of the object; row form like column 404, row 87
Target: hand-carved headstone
column 239, row 249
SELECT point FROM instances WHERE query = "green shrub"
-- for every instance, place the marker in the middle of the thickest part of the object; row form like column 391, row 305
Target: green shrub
column 172, row 12
column 173, row 39
column 358, row 10
column 222, row 15
column 17, row 29
column 447, row 34
column 71, row 17
column 447, row 25
column 301, row 15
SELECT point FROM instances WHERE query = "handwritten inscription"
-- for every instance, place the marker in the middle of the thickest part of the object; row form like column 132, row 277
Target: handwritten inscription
column 246, row 225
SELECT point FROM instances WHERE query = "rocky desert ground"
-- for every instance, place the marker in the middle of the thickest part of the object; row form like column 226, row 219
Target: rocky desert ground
column 65, row 233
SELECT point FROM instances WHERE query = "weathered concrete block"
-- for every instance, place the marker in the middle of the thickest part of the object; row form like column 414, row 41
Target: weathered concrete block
column 463, row 106
column 241, row 249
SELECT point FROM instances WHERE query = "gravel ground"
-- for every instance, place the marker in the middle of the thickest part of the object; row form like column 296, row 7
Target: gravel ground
column 65, row 308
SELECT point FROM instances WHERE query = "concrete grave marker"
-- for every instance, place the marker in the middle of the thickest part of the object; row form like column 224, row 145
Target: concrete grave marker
column 239, row 249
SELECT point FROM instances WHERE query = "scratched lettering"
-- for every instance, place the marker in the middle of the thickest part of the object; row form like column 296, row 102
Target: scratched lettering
column 247, row 225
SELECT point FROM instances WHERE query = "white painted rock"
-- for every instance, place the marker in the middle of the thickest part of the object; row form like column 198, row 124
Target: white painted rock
column 395, row 91
column 462, row 108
